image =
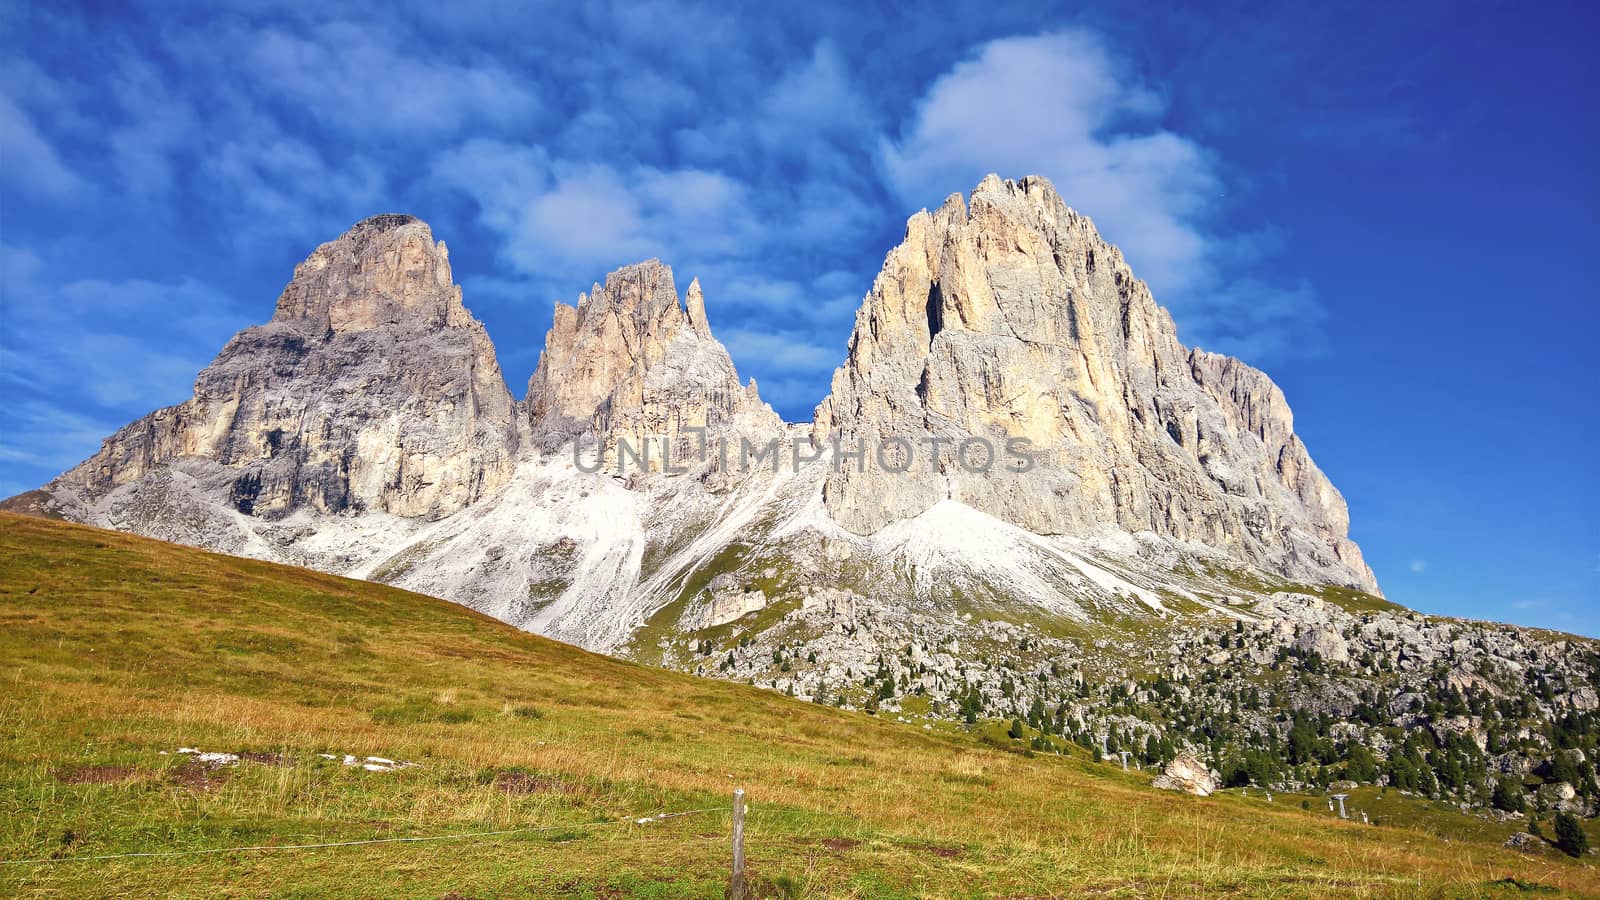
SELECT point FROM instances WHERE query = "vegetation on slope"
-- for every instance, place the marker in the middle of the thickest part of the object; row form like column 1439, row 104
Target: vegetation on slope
column 1280, row 686
column 117, row 651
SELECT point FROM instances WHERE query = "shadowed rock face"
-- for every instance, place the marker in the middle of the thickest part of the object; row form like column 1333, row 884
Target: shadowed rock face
column 371, row 388
column 1008, row 316
column 631, row 361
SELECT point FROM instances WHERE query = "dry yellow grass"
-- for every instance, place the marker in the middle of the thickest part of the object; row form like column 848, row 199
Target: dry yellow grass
column 115, row 650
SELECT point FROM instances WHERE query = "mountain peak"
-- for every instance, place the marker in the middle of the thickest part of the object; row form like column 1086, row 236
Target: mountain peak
column 695, row 300
column 386, row 269
column 1004, row 315
column 369, row 347
column 384, row 222
column 633, row 359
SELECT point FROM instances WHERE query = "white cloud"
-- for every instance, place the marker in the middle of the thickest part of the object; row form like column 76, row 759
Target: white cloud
column 1418, row 566
column 498, row 176
column 688, row 194
column 360, row 78
column 561, row 219
column 779, row 351
column 1062, row 106
column 589, row 217
column 268, row 184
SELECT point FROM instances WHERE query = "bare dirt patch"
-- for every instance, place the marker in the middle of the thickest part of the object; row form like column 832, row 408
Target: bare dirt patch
column 95, row 775
column 526, row 783
column 200, row 777
column 839, row 845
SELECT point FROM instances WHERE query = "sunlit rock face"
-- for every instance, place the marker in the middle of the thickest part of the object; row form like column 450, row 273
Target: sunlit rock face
column 366, row 430
column 632, row 362
column 1005, row 315
column 372, row 388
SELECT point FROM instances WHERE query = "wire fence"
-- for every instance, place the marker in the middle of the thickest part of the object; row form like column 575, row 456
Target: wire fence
column 274, row 848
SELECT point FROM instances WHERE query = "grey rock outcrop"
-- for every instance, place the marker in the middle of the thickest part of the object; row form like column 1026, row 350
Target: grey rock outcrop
column 373, row 391
column 1007, row 316
column 372, row 388
column 724, row 600
column 632, row 362
column 1190, row 775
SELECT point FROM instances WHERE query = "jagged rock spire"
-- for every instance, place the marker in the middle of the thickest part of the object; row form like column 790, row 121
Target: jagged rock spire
column 386, row 269
column 630, row 360
column 696, row 302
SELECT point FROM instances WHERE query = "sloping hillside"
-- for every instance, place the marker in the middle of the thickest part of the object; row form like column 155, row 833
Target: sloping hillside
column 117, row 652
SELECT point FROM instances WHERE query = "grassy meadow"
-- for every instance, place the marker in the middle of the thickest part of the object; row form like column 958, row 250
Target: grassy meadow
column 117, row 651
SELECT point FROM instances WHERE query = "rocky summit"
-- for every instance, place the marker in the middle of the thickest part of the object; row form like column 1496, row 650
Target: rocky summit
column 1009, row 316
column 634, row 362
column 371, row 390
column 1023, row 500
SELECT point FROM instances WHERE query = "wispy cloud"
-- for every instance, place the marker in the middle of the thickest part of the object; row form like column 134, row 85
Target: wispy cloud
column 32, row 164
column 783, row 352
column 356, row 77
column 158, row 123
column 268, row 184
column 564, row 218
column 82, row 357
column 775, row 178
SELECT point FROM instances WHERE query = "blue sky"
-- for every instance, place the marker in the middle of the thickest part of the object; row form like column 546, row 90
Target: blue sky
column 1390, row 208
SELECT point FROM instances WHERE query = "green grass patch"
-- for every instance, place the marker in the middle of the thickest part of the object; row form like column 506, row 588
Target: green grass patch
column 116, row 651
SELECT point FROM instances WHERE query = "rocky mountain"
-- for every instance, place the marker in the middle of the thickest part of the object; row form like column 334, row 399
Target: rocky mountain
column 372, row 389
column 1009, row 317
column 632, row 362
column 998, row 320
column 1022, row 499
column 586, row 539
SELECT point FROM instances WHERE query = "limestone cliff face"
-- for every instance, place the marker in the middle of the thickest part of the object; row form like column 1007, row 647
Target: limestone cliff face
column 631, row 361
column 371, row 407
column 372, row 388
column 1007, row 316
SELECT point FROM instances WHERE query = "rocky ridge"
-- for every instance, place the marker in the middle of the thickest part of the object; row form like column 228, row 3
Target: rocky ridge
column 1171, row 547
column 1282, row 690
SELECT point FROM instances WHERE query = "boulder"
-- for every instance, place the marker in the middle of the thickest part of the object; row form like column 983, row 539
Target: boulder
column 1190, row 775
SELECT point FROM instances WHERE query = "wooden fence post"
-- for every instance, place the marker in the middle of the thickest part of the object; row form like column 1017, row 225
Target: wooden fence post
column 736, row 887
